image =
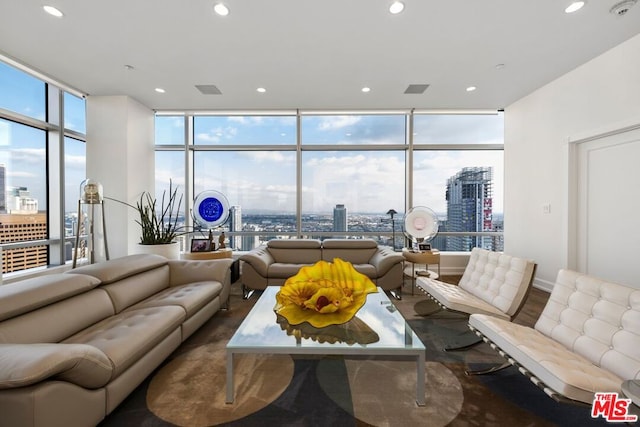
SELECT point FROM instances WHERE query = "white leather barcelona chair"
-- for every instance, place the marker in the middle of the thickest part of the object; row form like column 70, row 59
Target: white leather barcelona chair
column 493, row 283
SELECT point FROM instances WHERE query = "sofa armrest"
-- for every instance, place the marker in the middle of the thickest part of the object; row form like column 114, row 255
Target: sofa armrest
column 25, row 364
column 182, row 272
column 260, row 259
column 384, row 259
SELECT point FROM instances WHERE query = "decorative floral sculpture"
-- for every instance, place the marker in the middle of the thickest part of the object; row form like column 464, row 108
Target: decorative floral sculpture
column 323, row 294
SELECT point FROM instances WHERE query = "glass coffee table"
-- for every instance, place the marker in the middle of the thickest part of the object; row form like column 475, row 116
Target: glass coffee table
column 378, row 329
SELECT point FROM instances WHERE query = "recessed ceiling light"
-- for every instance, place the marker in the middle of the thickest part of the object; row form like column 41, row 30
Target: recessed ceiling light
column 53, row 11
column 160, row 90
column 221, row 9
column 575, row 6
column 261, row 90
column 129, row 67
column 499, row 66
column 471, row 88
column 396, row 7
column 366, row 89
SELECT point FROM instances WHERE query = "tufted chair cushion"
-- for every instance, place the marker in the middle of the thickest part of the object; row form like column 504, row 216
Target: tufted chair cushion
column 586, row 340
column 596, row 319
column 492, row 283
column 499, row 279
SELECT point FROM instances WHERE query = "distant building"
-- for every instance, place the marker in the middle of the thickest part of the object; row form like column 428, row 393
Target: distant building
column 249, row 242
column 470, row 208
column 21, row 202
column 22, row 228
column 3, row 189
column 339, row 218
column 235, row 224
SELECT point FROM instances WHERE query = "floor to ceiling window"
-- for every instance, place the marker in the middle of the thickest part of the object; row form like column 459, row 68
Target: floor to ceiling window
column 321, row 174
column 39, row 121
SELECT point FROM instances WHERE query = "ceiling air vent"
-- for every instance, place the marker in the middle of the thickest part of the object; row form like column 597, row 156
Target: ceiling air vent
column 209, row 89
column 416, row 89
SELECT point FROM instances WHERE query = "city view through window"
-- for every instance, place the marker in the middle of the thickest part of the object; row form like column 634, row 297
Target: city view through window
column 353, row 170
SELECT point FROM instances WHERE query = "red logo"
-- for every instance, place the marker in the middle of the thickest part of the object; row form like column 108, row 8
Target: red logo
column 612, row 408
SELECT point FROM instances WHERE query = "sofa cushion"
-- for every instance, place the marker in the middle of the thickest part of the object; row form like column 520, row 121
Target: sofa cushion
column 191, row 297
column 355, row 251
column 127, row 336
column 294, row 244
column 119, row 268
column 279, row 270
column 133, row 289
column 294, row 251
column 56, row 322
column 26, row 364
column 31, row 294
column 295, row 255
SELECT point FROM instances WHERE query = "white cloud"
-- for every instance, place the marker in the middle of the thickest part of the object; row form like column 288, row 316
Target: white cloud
column 337, row 122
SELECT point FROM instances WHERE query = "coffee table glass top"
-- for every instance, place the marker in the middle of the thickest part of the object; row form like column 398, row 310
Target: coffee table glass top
column 377, row 326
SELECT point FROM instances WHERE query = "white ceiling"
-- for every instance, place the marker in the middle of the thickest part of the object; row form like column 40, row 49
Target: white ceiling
column 311, row 54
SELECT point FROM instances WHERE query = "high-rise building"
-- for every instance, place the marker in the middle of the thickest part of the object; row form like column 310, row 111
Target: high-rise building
column 20, row 228
column 3, row 189
column 470, row 208
column 21, row 224
column 249, row 242
column 235, row 224
column 339, row 218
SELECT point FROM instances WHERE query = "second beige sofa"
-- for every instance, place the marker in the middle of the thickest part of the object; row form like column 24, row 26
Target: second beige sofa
column 279, row 259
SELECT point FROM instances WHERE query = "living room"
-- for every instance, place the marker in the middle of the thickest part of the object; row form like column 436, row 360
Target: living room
column 585, row 90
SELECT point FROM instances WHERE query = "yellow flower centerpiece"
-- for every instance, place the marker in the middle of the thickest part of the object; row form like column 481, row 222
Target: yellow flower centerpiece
column 323, row 294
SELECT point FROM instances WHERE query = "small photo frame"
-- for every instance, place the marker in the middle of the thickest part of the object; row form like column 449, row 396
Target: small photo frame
column 424, row 246
column 200, row 245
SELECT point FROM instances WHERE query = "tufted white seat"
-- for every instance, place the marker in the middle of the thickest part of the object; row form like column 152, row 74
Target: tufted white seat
column 586, row 340
column 493, row 283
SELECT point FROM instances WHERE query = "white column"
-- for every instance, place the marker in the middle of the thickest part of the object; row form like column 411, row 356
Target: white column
column 120, row 155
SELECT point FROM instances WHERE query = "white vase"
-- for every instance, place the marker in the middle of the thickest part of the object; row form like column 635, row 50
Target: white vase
column 167, row 250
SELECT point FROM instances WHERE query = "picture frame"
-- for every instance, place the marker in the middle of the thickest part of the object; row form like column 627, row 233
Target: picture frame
column 200, row 245
column 424, row 246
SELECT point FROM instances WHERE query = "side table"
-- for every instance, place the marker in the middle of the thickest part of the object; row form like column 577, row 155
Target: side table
column 219, row 254
column 420, row 258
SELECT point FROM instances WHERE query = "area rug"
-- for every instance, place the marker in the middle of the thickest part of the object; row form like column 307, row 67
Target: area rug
column 276, row 390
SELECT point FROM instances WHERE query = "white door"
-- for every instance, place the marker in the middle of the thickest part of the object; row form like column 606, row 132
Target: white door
column 608, row 207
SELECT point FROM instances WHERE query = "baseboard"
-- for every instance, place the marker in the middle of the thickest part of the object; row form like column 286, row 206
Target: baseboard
column 544, row 285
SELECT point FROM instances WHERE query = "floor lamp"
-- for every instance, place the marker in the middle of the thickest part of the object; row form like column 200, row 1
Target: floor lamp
column 392, row 212
column 91, row 195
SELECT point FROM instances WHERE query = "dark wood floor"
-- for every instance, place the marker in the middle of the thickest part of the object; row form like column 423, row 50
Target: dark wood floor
column 533, row 306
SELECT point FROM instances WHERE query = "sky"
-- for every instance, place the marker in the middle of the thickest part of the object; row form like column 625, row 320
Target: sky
column 365, row 181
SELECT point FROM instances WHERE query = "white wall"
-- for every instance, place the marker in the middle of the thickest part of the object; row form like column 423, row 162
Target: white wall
column 120, row 155
column 599, row 96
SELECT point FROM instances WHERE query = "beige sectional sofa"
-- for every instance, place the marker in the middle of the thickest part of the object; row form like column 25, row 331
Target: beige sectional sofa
column 275, row 262
column 73, row 346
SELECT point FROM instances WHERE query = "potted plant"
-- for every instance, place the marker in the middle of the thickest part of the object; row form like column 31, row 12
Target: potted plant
column 158, row 220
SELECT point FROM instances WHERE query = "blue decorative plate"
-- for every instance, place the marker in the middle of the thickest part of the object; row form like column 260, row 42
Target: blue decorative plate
column 211, row 208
